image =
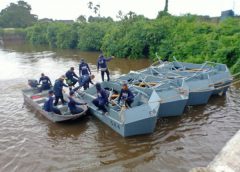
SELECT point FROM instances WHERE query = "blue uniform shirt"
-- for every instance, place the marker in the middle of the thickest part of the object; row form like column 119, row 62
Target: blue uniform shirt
column 48, row 104
column 70, row 75
column 72, row 104
column 84, row 69
column 125, row 95
column 58, row 86
column 45, row 81
column 102, row 97
column 102, row 63
column 85, row 80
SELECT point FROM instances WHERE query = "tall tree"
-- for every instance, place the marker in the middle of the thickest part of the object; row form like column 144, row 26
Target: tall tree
column 81, row 19
column 94, row 8
column 166, row 6
column 17, row 15
column 90, row 5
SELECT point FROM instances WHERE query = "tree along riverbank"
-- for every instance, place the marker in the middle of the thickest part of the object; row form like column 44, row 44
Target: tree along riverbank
column 189, row 38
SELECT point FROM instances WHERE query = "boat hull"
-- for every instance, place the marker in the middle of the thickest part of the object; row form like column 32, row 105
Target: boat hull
column 199, row 97
column 138, row 127
column 140, row 119
column 173, row 108
column 221, row 89
column 52, row 116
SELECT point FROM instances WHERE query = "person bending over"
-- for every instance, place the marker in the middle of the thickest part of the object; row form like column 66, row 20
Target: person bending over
column 85, row 80
column 102, row 99
column 58, row 89
column 72, row 78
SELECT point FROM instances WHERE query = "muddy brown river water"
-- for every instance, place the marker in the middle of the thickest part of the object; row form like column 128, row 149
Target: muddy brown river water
column 29, row 142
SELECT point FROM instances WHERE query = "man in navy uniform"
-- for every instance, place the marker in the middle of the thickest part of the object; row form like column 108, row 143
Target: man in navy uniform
column 102, row 66
column 85, row 80
column 84, row 68
column 72, row 104
column 46, row 82
column 72, row 78
column 126, row 96
column 58, row 88
column 102, row 99
column 48, row 104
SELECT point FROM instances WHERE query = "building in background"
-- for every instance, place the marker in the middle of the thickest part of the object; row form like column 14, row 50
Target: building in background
column 226, row 14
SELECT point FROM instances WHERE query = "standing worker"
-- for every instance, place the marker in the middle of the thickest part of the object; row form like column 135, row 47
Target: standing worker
column 48, row 104
column 57, row 89
column 102, row 99
column 126, row 96
column 102, row 65
column 72, row 104
column 46, row 82
column 84, row 68
column 72, row 78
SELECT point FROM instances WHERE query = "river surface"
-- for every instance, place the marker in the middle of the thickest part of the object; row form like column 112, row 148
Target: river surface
column 29, row 142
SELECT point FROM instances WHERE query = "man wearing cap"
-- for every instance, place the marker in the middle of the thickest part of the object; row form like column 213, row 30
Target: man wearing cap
column 72, row 78
column 102, row 99
column 48, row 104
column 84, row 68
column 58, row 88
column 72, row 104
column 126, row 96
column 46, row 82
column 102, row 66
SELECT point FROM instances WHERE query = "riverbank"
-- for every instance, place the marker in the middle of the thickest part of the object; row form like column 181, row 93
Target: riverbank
column 12, row 34
column 228, row 158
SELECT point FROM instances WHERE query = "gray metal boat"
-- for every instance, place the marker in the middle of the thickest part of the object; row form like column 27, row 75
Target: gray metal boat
column 203, row 80
column 219, row 74
column 172, row 93
column 140, row 119
column 36, row 100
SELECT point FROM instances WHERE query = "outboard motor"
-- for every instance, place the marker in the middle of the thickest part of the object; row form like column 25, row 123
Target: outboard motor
column 33, row 83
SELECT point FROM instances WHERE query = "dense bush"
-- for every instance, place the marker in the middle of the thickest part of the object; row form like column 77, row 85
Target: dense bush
column 189, row 38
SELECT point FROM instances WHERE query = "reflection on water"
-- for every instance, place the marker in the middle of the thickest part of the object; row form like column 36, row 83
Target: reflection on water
column 29, row 142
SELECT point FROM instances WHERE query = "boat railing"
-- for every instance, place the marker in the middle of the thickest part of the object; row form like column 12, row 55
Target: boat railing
column 178, row 62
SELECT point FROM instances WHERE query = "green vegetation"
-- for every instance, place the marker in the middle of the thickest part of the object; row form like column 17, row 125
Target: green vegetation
column 189, row 38
column 17, row 16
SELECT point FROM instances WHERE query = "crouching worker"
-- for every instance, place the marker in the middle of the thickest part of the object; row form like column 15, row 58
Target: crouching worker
column 126, row 96
column 102, row 99
column 58, row 88
column 48, row 104
column 46, row 83
column 72, row 104
column 72, row 78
